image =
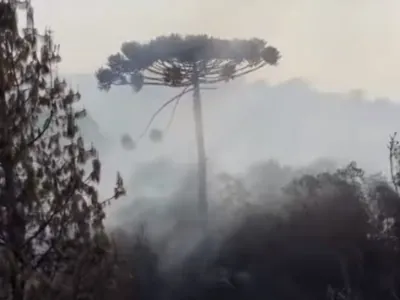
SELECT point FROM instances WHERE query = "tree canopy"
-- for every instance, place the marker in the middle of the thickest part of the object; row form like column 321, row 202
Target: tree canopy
column 169, row 60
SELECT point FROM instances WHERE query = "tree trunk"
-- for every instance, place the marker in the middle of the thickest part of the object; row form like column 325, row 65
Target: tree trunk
column 201, row 152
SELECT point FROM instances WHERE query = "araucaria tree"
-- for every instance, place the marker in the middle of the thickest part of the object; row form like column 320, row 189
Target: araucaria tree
column 191, row 63
column 52, row 241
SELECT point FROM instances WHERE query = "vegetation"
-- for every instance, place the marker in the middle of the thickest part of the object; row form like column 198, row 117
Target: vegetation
column 331, row 235
column 52, row 239
column 189, row 62
column 278, row 234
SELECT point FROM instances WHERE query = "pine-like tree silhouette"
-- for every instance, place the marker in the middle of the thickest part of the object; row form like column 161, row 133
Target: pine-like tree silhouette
column 51, row 218
column 191, row 62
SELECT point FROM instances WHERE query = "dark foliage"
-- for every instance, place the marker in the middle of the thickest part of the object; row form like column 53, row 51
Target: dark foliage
column 52, row 237
column 336, row 238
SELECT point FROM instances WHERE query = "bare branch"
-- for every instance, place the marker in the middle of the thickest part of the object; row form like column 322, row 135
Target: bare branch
column 171, row 118
column 158, row 111
column 239, row 74
column 166, row 104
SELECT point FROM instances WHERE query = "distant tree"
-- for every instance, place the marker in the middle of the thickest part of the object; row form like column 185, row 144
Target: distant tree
column 52, row 240
column 188, row 62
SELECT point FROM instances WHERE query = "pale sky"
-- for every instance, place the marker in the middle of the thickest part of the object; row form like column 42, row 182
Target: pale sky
column 336, row 44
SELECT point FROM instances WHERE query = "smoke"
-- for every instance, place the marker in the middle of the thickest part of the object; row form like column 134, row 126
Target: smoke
column 266, row 145
column 258, row 223
column 244, row 123
column 164, row 205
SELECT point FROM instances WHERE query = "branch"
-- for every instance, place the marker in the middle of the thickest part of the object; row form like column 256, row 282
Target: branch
column 158, row 111
column 157, row 83
column 242, row 71
column 147, row 83
column 155, row 71
column 53, row 213
column 239, row 74
column 172, row 115
column 45, row 127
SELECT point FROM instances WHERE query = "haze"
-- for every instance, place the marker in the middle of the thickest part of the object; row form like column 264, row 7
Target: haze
column 295, row 113
column 335, row 44
column 302, row 185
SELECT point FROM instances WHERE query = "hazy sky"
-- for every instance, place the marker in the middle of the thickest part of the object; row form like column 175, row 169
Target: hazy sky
column 335, row 44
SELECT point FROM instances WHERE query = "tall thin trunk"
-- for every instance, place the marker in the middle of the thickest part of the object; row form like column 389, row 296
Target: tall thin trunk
column 201, row 152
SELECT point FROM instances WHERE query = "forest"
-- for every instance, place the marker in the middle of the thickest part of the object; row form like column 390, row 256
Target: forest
column 321, row 230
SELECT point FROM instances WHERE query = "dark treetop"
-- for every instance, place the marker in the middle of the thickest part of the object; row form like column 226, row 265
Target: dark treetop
column 172, row 60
